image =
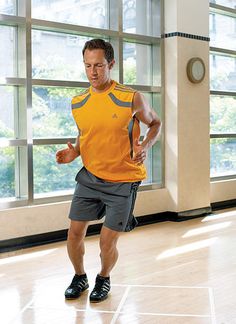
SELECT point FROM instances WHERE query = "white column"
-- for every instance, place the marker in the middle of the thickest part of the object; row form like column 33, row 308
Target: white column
column 187, row 143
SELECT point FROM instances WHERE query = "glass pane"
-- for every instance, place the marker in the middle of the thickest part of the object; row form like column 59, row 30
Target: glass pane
column 223, row 157
column 139, row 17
column 50, row 177
column 137, row 64
column 153, row 161
column 148, row 165
column 143, row 127
column 154, row 100
column 157, row 104
column 222, row 31
column 8, row 7
column 223, row 114
column 156, row 149
column 223, row 72
column 157, row 163
column 52, row 112
column 7, row 112
column 226, row 3
column 153, row 165
column 91, row 13
column 48, row 63
column 7, row 56
column 7, row 172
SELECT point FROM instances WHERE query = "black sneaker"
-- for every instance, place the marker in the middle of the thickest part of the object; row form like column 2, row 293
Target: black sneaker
column 100, row 290
column 77, row 286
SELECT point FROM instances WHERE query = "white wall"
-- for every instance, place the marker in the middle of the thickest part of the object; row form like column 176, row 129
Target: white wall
column 25, row 221
column 223, row 190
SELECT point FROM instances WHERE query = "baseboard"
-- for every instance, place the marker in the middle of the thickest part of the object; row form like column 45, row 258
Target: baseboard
column 191, row 214
column 19, row 243
column 41, row 239
column 223, row 204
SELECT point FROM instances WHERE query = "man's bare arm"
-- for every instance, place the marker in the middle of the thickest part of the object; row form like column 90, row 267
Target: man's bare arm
column 144, row 113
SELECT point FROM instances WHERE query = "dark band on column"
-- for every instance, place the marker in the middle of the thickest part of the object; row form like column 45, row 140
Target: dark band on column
column 185, row 35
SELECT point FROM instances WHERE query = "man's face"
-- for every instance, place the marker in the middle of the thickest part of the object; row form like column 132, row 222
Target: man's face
column 97, row 68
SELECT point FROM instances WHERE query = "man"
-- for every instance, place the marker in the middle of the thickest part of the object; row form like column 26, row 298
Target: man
column 107, row 115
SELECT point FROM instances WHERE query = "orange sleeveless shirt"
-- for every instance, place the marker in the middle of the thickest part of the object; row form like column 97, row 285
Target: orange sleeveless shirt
column 107, row 133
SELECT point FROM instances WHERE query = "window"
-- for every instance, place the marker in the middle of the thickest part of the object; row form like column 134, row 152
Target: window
column 137, row 64
column 36, row 89
column 8, row 7
column 49, row 63
column 141, row 17
column 223, row 161
column 7, row 108
column 222, row 31
column 84, row 13
column 223, row 72
column 223, row 89
column 223, row 114
column 8, row 55
column 50, row 177
column 7, row 174
column 13, row 172
column 51, row 111
column 225, row 3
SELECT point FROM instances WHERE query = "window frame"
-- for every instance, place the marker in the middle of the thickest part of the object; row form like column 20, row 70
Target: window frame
column 219, row 9
column 24, row 24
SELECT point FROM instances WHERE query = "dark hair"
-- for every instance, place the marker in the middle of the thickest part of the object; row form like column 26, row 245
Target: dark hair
column 100, row 44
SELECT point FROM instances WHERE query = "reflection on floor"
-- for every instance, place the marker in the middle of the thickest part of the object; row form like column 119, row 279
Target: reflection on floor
column 167, row 273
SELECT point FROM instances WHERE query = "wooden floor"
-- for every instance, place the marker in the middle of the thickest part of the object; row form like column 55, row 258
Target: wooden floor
column 175, row 273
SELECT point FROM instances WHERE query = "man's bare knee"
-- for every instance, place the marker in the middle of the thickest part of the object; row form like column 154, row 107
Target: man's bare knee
column 107, row 248
column 108, row 240
column 77, row 230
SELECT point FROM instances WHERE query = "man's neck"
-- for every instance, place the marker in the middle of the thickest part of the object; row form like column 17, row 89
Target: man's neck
column 104, row 87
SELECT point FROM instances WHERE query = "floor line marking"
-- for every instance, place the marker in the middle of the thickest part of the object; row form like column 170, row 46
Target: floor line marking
column 28, row 305
column 159, row 286
column 76, row 309
column 212, row 305
column 171, row 314
column 118, row 311
column 125, row 312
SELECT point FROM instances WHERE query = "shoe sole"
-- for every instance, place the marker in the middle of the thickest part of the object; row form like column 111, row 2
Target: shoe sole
column 71, row 298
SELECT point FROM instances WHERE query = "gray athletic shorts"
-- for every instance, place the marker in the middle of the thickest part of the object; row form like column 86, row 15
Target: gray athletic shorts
column 93, row 198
